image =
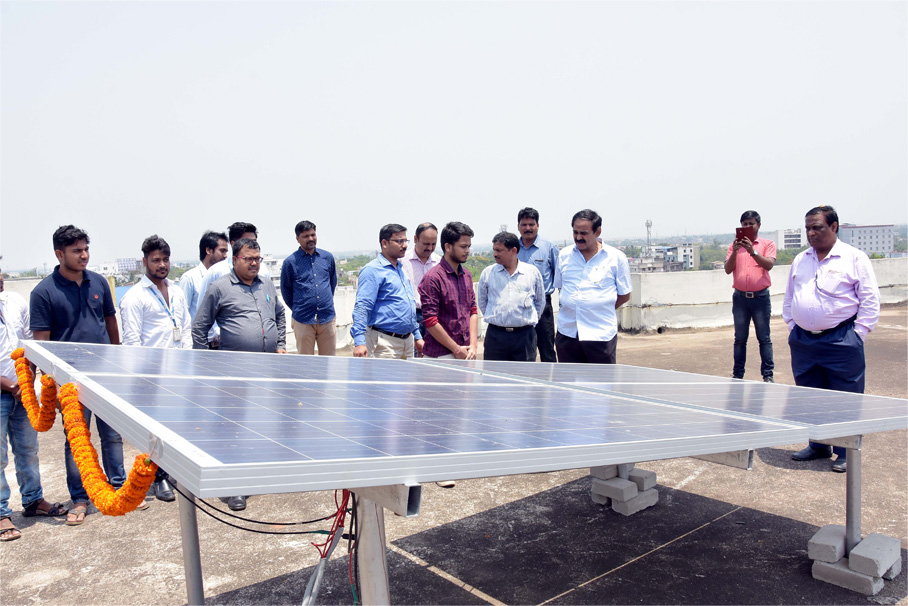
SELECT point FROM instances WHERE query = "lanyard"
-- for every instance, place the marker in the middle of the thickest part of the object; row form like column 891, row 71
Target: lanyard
column 154, row 290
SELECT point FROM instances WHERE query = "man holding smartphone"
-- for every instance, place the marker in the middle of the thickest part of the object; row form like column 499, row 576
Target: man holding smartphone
column 750, row 258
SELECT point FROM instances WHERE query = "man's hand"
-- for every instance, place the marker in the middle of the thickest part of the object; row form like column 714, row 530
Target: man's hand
column 279, row 350
column 419, row 343
column 471, row 353
column 360, row 351
column 747, row 245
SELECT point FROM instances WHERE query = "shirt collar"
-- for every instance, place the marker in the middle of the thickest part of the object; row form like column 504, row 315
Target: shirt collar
column 835, row 251
column 532, row 244
column 63, row 281
column 447, row 267
column 236, row 279
column 147, row 283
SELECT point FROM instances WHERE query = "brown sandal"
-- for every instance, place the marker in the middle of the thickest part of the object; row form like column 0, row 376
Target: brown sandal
column 4, row 532
column 78, row 512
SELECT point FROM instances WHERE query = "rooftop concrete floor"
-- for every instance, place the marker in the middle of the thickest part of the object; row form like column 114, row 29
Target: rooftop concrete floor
column 717, row 536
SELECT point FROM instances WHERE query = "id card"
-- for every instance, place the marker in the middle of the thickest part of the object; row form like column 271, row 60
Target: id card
column 177, row 335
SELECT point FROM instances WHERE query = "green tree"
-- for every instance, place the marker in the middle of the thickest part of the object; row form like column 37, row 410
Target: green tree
column 785, row 257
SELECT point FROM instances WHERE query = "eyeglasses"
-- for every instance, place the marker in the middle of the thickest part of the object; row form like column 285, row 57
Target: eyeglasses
column 251, row 260
column 399, row 241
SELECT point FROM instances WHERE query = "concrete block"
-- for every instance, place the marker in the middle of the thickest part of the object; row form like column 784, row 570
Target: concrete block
column 604, row 472
column 895, row 570
column 642, row 478
column 875, row 554
column 840, row 574
column 599, row 499
column 645, row 499
column 827, row 544
column 616, row 488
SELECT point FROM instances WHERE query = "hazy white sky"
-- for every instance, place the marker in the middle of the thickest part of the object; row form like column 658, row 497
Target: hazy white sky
column 133, row 118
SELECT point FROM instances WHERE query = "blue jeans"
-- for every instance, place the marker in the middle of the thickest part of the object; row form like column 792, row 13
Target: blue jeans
column 744, row 310
column 22, row 437
column 111, row 457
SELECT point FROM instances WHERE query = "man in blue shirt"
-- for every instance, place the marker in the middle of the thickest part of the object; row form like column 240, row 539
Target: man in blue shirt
column 75, row 305
column 213, row 248
column 384, row 315
column 308, row 282
column 543, row 255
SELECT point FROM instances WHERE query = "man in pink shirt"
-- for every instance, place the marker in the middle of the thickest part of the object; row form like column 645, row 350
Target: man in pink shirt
column 832, row 302
column 750, row 261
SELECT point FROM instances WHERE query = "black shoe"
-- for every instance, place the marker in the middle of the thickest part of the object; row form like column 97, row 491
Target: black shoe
column 737, row 377
column 163, row 491
column 236, row 503
column 768, row 379
column 840, row 465
column 809, row 454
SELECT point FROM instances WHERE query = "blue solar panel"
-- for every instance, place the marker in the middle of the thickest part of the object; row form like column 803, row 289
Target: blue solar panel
column 232, row 423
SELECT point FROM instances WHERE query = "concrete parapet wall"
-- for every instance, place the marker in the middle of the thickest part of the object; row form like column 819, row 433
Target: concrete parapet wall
column 689, row 299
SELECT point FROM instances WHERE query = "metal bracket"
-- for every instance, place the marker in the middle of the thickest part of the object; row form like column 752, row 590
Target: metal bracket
column 402, row 499
column 742, row 459
column 846, row 442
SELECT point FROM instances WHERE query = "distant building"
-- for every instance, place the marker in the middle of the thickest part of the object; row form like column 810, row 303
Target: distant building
column 786, row 239
column 107, row 269
column 666, row 258
column 872, row 239
column 124, row 266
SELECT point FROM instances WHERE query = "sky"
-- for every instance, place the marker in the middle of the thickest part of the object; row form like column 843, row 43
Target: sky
column 133, row 118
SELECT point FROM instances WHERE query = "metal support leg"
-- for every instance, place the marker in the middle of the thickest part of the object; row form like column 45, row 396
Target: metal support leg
column 371, row 553
column 852, row 499
column 192, row 560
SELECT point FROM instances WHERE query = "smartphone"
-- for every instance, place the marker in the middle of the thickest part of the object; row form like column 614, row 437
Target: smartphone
column 745, row 232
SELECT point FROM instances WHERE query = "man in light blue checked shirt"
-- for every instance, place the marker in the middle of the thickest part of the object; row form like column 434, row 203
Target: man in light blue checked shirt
column 511, row 298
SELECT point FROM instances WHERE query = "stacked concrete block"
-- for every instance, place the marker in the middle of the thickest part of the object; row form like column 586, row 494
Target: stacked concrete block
column 626, row 496
column 875, row 558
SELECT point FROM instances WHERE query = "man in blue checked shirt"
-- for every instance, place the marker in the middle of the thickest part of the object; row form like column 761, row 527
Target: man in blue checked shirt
column 308, row 282
column 543, row 255
column 384, row 315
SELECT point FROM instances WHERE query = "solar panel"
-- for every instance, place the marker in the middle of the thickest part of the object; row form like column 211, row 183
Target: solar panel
column 827, row 414
column 226, row 423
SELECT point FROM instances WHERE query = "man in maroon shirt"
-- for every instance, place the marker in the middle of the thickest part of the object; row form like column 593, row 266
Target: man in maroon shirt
column 448, row 300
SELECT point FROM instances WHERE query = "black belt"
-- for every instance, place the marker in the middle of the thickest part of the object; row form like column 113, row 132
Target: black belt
column 750, row 295
column 826, row 331
column 510, row 328
column 389, row 333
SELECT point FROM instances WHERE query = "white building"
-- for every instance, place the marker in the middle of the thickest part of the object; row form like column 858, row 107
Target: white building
column 786, row 239
column 124, row 266
column 872, row 239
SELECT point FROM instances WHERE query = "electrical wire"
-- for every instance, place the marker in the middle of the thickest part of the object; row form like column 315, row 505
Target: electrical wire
column 211, row 515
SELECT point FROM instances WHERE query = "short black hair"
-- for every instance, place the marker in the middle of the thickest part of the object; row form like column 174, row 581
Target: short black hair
column 423, row 227
column 389, row 230
column 453, row 232
column 828, row 213
column 239, row 244
column 239, row 228
column 528, row 213
column 588, row 214
column 751, row 214
column 67, row 235
column 506, row 238
column 210, row 239
column 303, row 226
column 153, row 243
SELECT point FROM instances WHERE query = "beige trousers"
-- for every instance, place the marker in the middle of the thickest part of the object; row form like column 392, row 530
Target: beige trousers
column 380, row 345
column 307, row 335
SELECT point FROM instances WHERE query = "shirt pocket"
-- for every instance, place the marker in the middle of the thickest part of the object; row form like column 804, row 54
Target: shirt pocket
column 832, row 282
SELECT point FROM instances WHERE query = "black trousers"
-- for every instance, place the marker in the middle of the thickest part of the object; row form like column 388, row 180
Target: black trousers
column 545, row 333
column 518, row 345
column 573, row 350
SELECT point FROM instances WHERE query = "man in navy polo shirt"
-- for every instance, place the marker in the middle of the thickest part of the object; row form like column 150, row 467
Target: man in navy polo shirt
column 75, row 305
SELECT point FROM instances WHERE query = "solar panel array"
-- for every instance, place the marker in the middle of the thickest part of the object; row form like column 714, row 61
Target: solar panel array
column 229, row 423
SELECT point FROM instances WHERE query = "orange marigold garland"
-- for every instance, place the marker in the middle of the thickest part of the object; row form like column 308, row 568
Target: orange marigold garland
column 41, row 416
column 108, row 501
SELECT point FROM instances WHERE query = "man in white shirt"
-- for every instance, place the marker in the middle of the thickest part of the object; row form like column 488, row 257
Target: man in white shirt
column 154, row 313
column 594, row 281
column 213, row 247
column 511, row 298
column 235, row 232
column 418, row 261
column 17, row 430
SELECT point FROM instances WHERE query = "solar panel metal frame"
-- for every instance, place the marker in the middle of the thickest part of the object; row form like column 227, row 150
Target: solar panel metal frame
column 206, row 476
